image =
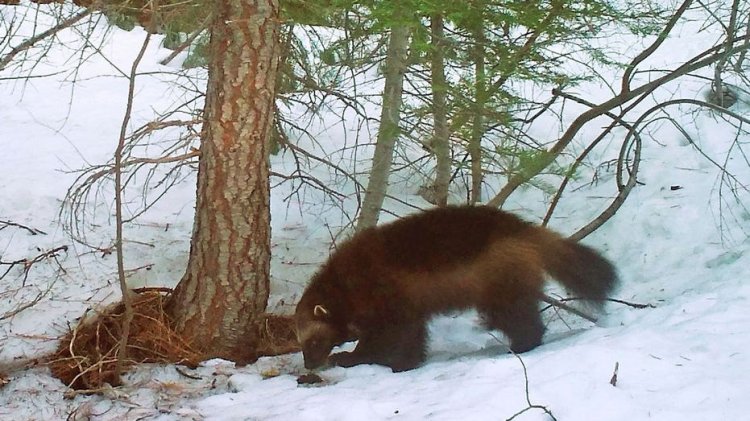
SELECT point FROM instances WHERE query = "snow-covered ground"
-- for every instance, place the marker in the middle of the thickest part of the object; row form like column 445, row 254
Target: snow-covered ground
column 682, row 250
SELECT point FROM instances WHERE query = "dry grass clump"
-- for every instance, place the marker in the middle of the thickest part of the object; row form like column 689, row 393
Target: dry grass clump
column 87, row 355
column 277, row 336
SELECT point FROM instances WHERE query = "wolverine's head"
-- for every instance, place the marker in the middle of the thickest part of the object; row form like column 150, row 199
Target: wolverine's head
column 316, row 334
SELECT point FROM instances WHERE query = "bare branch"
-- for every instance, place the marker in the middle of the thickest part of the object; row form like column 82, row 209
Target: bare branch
column 557, row 303
column 32, row 231
column 613, row 380
column 25, row 45
column 27, row 305
column 654, row 46
column 188, row 42
column 126, row 294
column 623, row 192
column 526, row 388
column 28, row 263
column 702, row 60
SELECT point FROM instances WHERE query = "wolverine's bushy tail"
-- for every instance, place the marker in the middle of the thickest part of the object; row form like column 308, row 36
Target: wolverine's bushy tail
column 581, row 269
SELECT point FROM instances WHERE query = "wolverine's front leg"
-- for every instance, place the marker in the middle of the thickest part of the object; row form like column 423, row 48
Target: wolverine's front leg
column 348, row 359
column 400, row 346
column 366, row 352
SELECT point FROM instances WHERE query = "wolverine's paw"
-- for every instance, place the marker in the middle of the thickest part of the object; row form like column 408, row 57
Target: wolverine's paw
column 344, row 359
column 399, row 366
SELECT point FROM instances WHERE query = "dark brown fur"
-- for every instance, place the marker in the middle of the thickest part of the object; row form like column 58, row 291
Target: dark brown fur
column 383, row 284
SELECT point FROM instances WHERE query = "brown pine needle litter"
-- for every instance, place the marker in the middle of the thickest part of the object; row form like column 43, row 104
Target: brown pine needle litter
column 278, row 336
column 87, row 355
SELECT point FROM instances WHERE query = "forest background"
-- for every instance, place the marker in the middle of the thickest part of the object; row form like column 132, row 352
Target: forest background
column 349, row 111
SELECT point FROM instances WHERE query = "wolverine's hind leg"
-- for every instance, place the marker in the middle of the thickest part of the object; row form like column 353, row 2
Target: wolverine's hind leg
column 400, row 346
column 513, row 308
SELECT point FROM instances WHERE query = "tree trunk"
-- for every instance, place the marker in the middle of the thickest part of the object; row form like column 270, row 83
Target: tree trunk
column 440, row 141
column 480, row 99
column 224, row 291
column 390, row 117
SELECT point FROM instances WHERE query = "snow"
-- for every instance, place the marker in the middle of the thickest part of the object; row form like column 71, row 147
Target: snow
column 684, row 252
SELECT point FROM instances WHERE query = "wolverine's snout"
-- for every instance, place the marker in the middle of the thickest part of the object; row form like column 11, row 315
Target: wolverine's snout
column 316, row 338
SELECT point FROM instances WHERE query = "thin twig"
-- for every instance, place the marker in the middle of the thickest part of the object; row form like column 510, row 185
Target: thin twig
column 25, row 306
column 557, row 303
column 614, row 300
column 126, row 297
column 615, row 121
column 32, row 231
column 613, row 380
column 526, row 387
column 613, row 207
column 189, row 376
column 25, row 45
column 28, row 263
column 663, row 35
column 700, row 61
column 187, row 43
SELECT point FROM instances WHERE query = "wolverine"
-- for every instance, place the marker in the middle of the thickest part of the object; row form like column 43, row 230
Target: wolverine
column 383, row 285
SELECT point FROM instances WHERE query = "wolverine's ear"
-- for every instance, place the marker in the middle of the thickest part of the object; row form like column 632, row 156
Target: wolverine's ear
column 320, row 311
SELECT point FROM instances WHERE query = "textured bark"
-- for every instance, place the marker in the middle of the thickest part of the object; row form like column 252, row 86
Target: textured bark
column 225, row 288
column 390, row 117
column 440, row 141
